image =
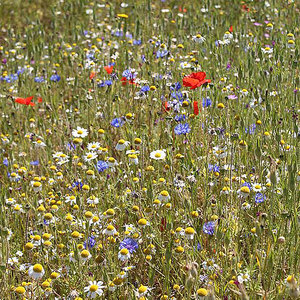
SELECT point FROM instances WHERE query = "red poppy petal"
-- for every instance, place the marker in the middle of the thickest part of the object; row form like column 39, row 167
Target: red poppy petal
column 108, row 69
column 199, row 75
column 190, row 82
column 40, row 100
column 20, row 100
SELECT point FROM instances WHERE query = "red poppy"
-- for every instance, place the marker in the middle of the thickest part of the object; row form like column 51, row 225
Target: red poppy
column 40, row 100
column 25, row 101
column 166, row 107
column 125, row 81
column 196, row 108
column 92, row 75
column 195, row 80
column 108, row 69
column 231, row 28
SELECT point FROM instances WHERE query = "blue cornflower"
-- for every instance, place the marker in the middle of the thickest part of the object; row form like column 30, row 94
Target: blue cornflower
column 108, row 82
column 214, row 168
column 34, row 163
column 76, row 185
column 129, row 74
column 251, row 129
column 55, row 78
column 260, row 198
column 175, row 87
column 130, row 244
column 101, row 166
column 5, row 162
column 39, row 79
column 182, row 129
column 177, row 95
column 145, row 88
column 161, row 53
column 179, row 118
column 90, row 243
column 206, row 102
column 209, row 227
column 137, row 42
column 20, row 71
column 117, row 122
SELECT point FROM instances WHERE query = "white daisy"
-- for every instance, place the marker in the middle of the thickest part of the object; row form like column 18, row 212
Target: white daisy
column 122, row 144
column 90, row 156
column 124, row 255
column 158, row 154
column 79, row 132
column 94, row 289
column 36, row 272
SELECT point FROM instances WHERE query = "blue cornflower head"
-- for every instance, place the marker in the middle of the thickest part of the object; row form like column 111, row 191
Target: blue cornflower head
column 20, row 71
column 251, row 129
column 130, row 244
column 179, row 118
column 10, row 78
column 182, row 129
column 76, row 185
column 259, row 198
column 177, row 95
column 213, row 168
column 175, row 86
column 206, row 102
column 108, row 82
column 145, row 88
column 129, row 74
column 129, row 35
column 137, row 42
column 209, row 227
column 5, row 162
column 117, row 122
column 161, row 53
column 55, row 78
column 34, row 163
column 39, row 79
column 90, row 243
column 102, row 166
column 117, row 33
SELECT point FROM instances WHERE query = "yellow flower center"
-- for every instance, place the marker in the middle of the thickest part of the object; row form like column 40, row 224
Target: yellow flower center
column 93, row 288
column 124, row 251
column 189, row 230
column 37, row 268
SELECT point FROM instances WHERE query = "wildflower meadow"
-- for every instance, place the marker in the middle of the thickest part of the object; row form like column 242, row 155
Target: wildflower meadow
column 149, row 149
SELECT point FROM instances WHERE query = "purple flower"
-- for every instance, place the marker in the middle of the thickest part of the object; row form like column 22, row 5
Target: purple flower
column 232, row 97
column 117, row 122
column 101, row 166
column 209, row 227
column 259, row 198
column 130, row 244
column 55, row 78
column 182, row 129
column 206, row 102
column 90, row 243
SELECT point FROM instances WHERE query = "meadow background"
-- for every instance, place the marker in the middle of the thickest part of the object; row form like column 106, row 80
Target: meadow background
column 89, row 209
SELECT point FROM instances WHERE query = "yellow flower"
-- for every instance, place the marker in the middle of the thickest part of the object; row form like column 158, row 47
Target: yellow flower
column 122, row 16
